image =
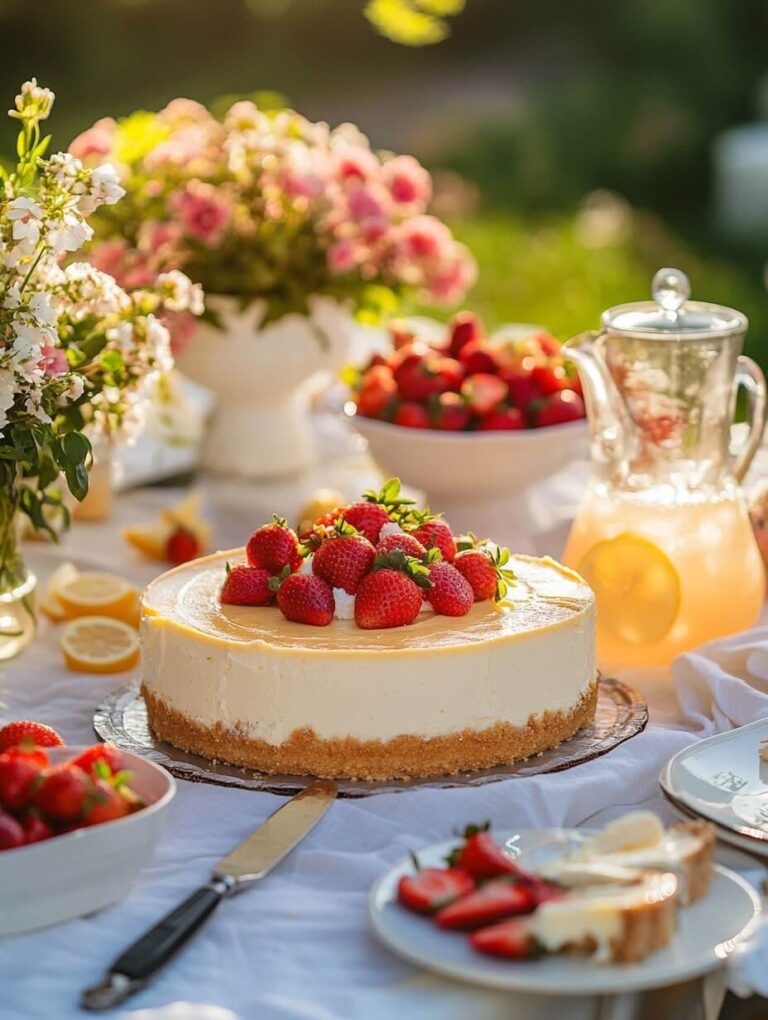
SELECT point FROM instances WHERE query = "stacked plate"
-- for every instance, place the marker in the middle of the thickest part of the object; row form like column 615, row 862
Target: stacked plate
column 725, row 780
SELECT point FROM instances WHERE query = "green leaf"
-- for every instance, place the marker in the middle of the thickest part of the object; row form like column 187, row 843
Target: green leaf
column 75, row 448
column 112, row 361
column 77, row 480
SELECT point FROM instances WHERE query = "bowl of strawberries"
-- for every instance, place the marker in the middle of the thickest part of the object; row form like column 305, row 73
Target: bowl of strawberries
column 76, row 825
column 466, row 417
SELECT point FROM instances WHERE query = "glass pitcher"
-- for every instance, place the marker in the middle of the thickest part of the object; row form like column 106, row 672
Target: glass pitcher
column 663, row 535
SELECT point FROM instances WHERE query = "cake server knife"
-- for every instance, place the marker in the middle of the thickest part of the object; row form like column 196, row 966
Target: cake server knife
column 254, row 858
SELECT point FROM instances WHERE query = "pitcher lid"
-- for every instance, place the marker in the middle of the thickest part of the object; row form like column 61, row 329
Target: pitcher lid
column 671, row 314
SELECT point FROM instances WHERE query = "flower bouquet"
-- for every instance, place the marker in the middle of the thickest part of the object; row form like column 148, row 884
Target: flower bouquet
column 75, row 349
column 290, row 227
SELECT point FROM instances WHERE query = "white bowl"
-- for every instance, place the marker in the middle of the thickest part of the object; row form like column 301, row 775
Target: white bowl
column 474, row 476
column 87, row 869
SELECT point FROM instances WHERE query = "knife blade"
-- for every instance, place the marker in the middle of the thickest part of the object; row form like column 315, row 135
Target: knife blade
column 246, row 865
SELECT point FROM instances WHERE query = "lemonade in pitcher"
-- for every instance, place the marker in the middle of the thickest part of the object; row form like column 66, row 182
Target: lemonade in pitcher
column 663, row 535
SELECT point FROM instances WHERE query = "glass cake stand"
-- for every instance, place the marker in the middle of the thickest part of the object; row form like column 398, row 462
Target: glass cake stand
column 122, row 719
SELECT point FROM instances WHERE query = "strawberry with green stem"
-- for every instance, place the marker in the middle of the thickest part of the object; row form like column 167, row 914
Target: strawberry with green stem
column 392, row 594
column 484, row 565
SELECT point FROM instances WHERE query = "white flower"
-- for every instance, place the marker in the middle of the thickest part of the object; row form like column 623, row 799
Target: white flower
column 69, row 234
column 65, row 167
column 102, row 189
column 41, row 308
column 180, row 294
column 27, row 343
column 12, row 296
column 159, row 342
column 33, row 102
column 122, row 335
column 7, row 394
column 26, row 216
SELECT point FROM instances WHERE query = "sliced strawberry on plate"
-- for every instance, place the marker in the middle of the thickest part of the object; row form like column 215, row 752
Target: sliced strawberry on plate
column 510, row 939
column 432, row 889
column 22, row 731
column 493, row 901
column 482, row 857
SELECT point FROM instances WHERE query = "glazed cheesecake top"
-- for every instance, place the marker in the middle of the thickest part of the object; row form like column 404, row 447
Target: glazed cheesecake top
column 545, row 595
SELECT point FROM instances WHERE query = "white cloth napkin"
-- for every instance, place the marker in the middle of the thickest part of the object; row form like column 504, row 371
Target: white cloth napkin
column 721, row 685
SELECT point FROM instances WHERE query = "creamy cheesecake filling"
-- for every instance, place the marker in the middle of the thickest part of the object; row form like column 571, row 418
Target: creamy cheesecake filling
column 251, row 671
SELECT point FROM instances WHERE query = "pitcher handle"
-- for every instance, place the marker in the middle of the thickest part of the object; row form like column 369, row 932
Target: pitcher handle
column 750, row 376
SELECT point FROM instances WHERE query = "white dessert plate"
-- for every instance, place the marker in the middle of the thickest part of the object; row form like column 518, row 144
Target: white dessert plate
column 723, row 778
column 754, row 847
column 709, row 931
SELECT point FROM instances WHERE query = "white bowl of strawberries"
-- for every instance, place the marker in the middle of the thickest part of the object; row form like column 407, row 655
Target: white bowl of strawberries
column 77, row 824
column 465, row 418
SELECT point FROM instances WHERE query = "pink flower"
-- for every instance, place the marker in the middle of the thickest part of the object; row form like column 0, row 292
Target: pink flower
column 343, row 256
column 354, row 161
column 184, row 111
column 408, row 181
column 140, row 273
column 424, row 237
column 181, row 326
column 159, row 238
column 452, row 279
column 203, row 211
column 53, row 360
column 364, row 204
column 96, row 141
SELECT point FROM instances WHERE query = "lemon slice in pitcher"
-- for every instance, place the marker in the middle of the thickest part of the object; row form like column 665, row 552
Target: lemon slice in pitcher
column 636, row 586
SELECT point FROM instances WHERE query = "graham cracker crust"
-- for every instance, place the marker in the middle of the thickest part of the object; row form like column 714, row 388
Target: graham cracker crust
column 304, row 753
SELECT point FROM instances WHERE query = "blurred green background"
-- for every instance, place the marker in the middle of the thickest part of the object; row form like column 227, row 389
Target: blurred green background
column 572, row 142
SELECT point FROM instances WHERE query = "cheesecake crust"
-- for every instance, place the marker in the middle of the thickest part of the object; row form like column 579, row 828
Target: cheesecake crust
column 404, row 757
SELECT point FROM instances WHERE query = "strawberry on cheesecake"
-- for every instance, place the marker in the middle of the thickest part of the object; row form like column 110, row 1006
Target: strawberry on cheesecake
column 376, row 644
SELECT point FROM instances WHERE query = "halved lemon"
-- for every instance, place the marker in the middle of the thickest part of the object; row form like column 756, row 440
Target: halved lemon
column 96, row 593
column 50, row 603
column 150, row 539
column 99, row 644
column 636, row 586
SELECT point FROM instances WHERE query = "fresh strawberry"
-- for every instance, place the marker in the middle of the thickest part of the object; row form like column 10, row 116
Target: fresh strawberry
column 451, row 372
column 478, row 358
column 246, row 586
column 432, row 889
column 367, row 518
column 402, row 333
column 451, row 593
column 482, row 857
column 560, row 408
column 15, row 733
column 483, row 392
column 63, row 793
column 548, row 344
column 305, row 598
column 436, row 534
column 274, row 547
column 182, row 546
column 387, row 598
column 451, row 414
column 510, row 939
column 105, row 804
column 493, row 901
column 522, row 390
column 343, row 561
column 408, row 544
column 549, row 378
column 418, row 378
column 11, row 832
column 508, row 419
column 465, row 327
column 486, row 570
column 94, row 756
column 29, row 752
column 412, row 416
column 36, row 829
column 18, row 777
column 377, row 390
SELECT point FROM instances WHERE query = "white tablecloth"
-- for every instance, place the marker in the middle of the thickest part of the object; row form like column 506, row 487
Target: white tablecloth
column 299, row 946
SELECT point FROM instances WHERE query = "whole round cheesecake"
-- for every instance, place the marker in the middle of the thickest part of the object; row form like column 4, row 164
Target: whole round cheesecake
column 244, row 684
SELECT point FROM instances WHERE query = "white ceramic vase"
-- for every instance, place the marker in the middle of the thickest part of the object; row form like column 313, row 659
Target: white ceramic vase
column 263, row 379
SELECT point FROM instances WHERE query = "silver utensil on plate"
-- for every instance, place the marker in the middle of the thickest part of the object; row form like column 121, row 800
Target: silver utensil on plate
column 254, row 858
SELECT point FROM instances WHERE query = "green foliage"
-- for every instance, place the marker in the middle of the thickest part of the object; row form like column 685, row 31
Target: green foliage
column 413, row 22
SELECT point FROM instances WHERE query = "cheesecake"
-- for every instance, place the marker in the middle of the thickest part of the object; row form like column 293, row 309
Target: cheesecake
column 336, row 689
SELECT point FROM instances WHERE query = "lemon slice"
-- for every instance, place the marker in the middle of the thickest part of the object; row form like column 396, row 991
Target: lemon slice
column 94, row 593
column 50, row 603
column 99, row 644
column 636, row 586
column 150, row 539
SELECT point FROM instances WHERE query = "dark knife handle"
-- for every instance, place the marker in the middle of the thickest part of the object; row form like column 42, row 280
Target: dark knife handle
column 137, row 965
